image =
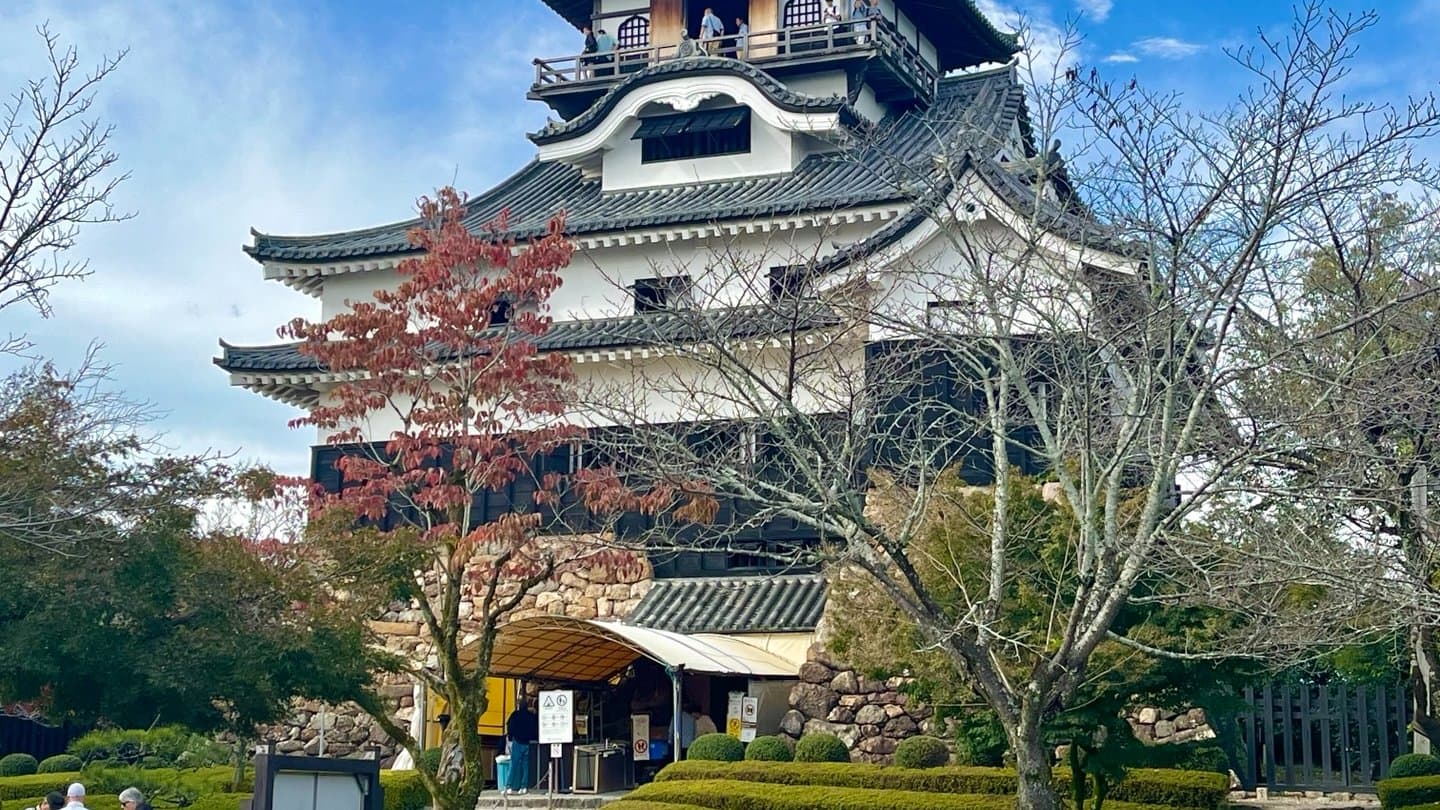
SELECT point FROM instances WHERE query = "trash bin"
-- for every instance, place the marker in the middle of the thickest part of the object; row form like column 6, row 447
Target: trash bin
column 502, row 771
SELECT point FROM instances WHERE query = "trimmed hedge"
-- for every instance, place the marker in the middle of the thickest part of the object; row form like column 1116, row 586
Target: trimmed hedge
column 403, row 791
column 18, row 765
column 821, row 748
column 641, row 804
column 716, row 748
column 768, row 749
column 721, row 794
column 60, row 763
column 219, row 801
column 1409, row 791
column 23, row 787
column 1189, row 789
column 1407, row 765
column 921, row 752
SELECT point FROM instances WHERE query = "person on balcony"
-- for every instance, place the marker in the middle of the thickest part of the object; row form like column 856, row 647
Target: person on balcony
column 860, row 20
column 587, row 61
column 742, row 38
column 831, row 15
column 711, row 29
column 605, row 48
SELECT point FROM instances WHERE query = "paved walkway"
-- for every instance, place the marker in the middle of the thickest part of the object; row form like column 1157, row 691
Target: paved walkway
column 1310, row 800
column 563, row 801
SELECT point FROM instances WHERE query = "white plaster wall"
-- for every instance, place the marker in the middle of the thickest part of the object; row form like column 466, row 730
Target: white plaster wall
column 867, row 105
column 820, row 85
column 772, row 151
column 927, row 50
column 617, row 6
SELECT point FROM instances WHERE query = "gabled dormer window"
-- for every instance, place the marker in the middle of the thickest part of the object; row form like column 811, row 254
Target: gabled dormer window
column 501, row 312
column 660, row 294
column 788, row 281
column 702, row 133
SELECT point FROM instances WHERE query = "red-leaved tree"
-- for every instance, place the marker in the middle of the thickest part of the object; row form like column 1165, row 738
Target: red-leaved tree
column 441, row 396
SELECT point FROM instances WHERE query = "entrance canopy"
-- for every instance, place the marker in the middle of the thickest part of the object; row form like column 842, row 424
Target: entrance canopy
column 559, row 648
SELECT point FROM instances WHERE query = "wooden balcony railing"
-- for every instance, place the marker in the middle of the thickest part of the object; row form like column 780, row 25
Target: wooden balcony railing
column 759, row 47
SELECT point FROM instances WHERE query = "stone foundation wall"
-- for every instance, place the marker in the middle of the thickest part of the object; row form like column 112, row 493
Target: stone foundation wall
column 593, row 592
column 871, row 716
column 1162, row 726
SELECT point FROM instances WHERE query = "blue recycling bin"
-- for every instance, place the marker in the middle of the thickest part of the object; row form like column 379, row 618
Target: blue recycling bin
column 502, row 771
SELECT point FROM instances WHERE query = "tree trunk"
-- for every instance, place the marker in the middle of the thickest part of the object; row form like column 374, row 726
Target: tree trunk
column 1032, row 761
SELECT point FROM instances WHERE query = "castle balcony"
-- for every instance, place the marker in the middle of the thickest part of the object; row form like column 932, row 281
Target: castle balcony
column 893, row 66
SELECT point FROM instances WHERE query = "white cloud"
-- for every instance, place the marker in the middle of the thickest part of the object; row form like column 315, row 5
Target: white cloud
column 1050, row 48
column 1097, row 10
column 229, row 117
column 1167, row 47
column 1121, row 57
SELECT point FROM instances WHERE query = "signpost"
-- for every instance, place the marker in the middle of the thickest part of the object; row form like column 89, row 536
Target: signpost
column 749, row 718
column 640, row 733
column 733, row 709
column 557, row 727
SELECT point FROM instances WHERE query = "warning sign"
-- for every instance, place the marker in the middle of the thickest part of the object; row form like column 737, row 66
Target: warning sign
column 733, row 709
column 749, row 718
column 640, row 733
column 557, row 717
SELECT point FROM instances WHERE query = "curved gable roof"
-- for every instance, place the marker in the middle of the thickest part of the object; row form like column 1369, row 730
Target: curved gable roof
column 774, row 91
column 985, row 106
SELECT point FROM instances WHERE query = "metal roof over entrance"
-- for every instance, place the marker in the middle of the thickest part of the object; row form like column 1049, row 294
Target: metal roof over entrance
column 559, row 648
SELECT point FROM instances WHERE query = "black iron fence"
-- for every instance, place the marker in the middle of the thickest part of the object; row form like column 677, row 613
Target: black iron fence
column 1310, row 736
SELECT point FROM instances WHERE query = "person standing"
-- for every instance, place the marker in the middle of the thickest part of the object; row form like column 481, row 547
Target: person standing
column 605, row 48
column 859, row 17
column 131, row 798
column 587, row 58
column 522, row 729
column 54, row 800
column 711, row 29
column 831, row 15
column 742, row 38
column 75, row 797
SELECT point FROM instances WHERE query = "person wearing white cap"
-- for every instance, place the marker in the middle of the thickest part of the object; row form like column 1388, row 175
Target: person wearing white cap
column 75, row 797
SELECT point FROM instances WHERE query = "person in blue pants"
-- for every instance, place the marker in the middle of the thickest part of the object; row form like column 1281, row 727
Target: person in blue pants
column 522, row 729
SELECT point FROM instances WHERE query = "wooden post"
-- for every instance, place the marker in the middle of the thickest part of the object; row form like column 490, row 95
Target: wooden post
column 667, row 22
column 764, row 16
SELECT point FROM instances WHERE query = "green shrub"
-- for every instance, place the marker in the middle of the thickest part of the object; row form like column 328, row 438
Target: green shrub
column 404, row 791
column 60, row 763
column 1189, row 789
column 821, row 748
column 23, row 787
column 428, row 761
column 922, row 752
column 1197, row 789
column 1408, row 791
column 219, row 801
column 1191, row 756
column 18, row 765
column 720, row 794
column 768, row 749
column 160, row 747
column 716, row 748
column 1407, row 765
column 641, row 804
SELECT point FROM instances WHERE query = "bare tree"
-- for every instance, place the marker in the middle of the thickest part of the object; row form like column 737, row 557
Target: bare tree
column 1000, row 329
column 57, row 173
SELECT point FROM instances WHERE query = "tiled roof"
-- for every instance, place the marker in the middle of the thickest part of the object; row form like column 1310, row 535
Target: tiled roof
column 779, row 94
column 657, row 328
column 759, row 604
column 980, row 107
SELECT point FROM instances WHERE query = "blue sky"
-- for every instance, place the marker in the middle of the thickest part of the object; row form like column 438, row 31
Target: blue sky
column 306, row 117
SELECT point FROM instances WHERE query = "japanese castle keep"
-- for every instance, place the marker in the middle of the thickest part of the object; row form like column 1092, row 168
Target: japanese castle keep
column 819, row 145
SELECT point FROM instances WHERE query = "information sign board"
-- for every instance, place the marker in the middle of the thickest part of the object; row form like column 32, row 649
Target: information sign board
column 557, row 716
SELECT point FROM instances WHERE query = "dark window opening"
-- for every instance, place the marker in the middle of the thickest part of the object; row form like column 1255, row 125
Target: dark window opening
column 660, row 294
column 500, row 313
column 787, row 281
column 803, row 12
column 702, row 134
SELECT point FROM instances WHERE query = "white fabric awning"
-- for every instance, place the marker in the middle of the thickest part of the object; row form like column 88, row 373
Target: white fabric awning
column 589, row 651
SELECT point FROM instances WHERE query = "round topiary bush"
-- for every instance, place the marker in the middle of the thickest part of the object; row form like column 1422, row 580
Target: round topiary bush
column 768, row 749
column 428, row 761
column 18, row 765
column 921, row 752
column 821, row 748
column 1414, row 765
column 716, row 748
column 60, row 763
